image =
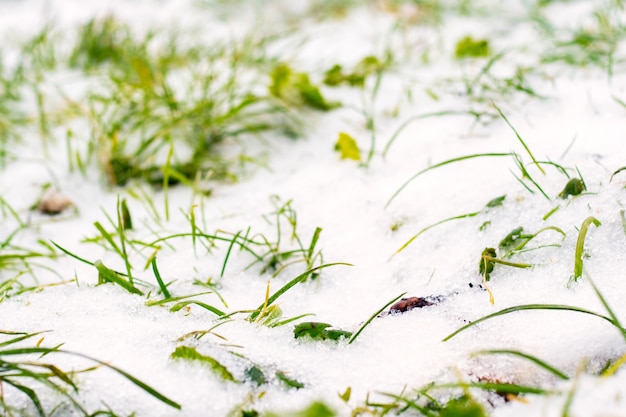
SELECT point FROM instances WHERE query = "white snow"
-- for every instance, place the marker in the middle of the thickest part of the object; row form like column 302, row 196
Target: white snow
column 395, row 353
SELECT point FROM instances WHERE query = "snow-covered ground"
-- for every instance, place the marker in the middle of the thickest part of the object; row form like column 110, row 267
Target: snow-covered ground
column 577, row 123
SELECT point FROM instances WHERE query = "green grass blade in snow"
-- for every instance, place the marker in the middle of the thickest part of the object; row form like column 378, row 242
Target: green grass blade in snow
column 157, row 275
column 531, row 358
column 368, row 321
column 289, row 285
column 493, row 203
column 440, row 164
column 519, row 138
column 44, row 351
column 531, row 307
column 580, row 246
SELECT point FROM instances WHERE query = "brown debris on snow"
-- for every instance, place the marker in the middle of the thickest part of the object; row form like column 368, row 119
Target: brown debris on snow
column 407, row 304
column 54, row 203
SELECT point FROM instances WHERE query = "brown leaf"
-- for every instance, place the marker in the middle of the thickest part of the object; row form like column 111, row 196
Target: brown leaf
column 410, row 303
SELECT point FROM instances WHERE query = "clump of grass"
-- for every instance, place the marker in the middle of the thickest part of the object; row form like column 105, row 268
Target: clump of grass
column 18, row 370
column 100, row 41
column 276, row 259
column 592, row 45
column 163, row 117
column 11, row 119
column 17, row 261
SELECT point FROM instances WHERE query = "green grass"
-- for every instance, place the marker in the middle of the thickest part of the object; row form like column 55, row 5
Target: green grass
column 162, row 112
column 29, row 376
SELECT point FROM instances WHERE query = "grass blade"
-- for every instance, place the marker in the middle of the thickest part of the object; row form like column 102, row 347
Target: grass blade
column 368, row 321
column 183, row 304
column 580, row 245
column 230, row 248
column 531, row 358
column 531, row 307
column 418, row 234
column 157, row 275
column 498, row 387
column 289, row 285
column 153, row 392
column 440, row 164
column 608, row 308
column 423, row 116
column 519, row 138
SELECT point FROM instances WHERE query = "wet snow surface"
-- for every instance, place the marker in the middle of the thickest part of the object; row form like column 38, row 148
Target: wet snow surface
column 578, row 124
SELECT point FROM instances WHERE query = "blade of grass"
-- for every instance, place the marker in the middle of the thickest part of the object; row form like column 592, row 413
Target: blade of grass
column 526, row 174
column 423, row 116
column 529, row 307
column 230, row 248
column 418, row 234
column 607, row 307
column 372, row 317
column 289, row 285
column 157, row 275
column 109, row 275
column 519, row 138
column 440, row 164
column 531, row 358
column 580, row 246
column 120, row 230
column 147, row 388
column 498, row 387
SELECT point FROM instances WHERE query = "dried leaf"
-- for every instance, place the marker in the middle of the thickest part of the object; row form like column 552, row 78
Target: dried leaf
column 407, row 304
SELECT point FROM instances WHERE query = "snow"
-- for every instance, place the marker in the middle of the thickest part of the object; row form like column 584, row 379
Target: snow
column 395, row 352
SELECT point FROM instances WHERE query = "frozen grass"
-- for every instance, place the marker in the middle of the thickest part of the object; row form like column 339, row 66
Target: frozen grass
column 225, row 208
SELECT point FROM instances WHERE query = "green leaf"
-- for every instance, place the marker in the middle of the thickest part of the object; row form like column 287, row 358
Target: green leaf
column 469, row 47
column 496, row 201
column 486, row 265
column 316, row 409
column 255, row 375
column 290, row 382
column 297, row 89
column 127, row 222
column 346, row 395
column 574, row 186
column 347, row 147
column 318, row 331
column 191, row 354
column 514, row 238
column 369, row 65
column 463, row 407
column 108, row 275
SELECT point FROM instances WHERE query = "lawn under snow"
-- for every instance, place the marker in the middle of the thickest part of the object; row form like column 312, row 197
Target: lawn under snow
column 577, row 124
